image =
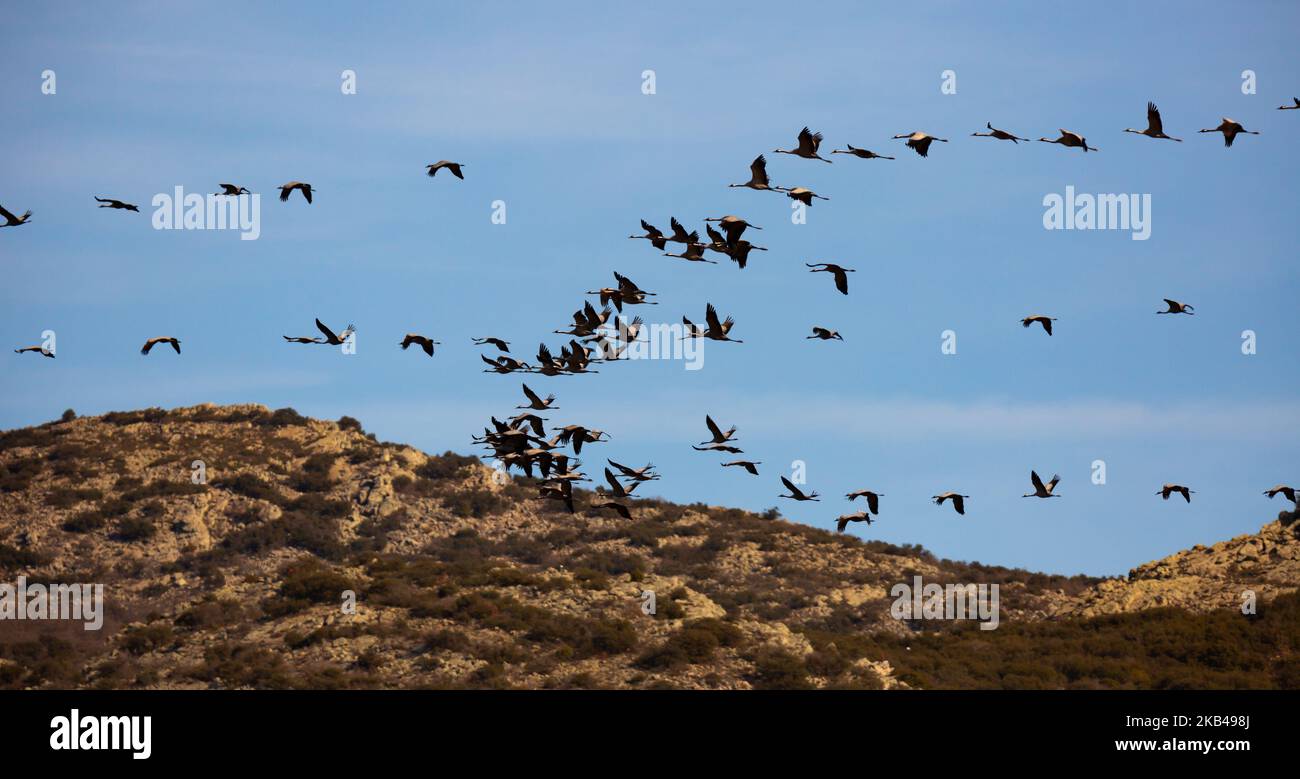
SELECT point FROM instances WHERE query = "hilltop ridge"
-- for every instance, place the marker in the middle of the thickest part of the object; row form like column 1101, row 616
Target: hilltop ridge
column 464, row 578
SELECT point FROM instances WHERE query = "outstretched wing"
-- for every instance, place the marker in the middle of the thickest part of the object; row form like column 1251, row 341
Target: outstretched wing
column 711, row 316
column 678, row 230
column 613, row 482
column 841, row 280
column 1153, row 119
column 328, row 332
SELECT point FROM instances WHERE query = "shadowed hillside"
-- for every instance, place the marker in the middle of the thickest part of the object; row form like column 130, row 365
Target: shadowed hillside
column 462, row 578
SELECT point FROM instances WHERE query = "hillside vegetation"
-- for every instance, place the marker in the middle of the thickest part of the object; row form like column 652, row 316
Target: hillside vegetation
column 461, row 579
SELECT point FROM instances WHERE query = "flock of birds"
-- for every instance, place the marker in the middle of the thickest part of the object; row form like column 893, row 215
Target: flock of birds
column 522, row 441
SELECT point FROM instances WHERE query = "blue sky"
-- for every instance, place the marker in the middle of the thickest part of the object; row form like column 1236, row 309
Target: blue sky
column 544, row 105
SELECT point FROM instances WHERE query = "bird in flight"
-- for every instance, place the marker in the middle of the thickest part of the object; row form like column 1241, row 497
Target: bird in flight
column 958, row 501
column 579, row 435
column 1230, row 129
column 733, row 226
column 1045, row 321
column 644, row 473
column 863, row 154
column 615, row 488
column 679, row 232
column 175, row 344
column 716, row 447
column 1042, row 490
column 454, row 167
column 809, row 143
column 751, row 466
column 1001, row 135
column 47, row 353
column 652, row 234
column 719, row 436
column 873, row 499
column 108, row 202
column 536, row 403
column 497, row 342
column 423, row 342
column 287, row 189
column 694, row 251
column 1295, row 105
column 1177, row 308
column 1071, row 141
column 837, row 271
column 739, row 253
column 330, row 337
column 802, row 194
column 796, row 493
column 844, row 519
column 757, row 176
column 14, row 221
column 587, row 321
column 1287, row 492
column 919, row 142
column 1155, row 128
column 1169, row 489
column 823, row 334
column 716, row 331
column 504, row 364
column 627, row 292
column 232, row 190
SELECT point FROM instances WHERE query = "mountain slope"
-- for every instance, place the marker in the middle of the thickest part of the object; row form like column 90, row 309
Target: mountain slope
column 463, row 578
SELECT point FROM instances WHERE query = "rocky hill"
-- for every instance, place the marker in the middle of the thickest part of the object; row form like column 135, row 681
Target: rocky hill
column 1202, row 578
column 232, row 541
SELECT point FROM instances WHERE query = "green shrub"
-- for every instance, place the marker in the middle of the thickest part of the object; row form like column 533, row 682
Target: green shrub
column 315, row 474
column 283, row 417
column 250, row 486
column 141, row 639
column 85, row 522
column 776, row 669
column 65, row 497
column 135, row 529
column 445, row 466
column 12, row 559
column 476, row 503
column 162, row 488
column 15, row 476
column 312, row 581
